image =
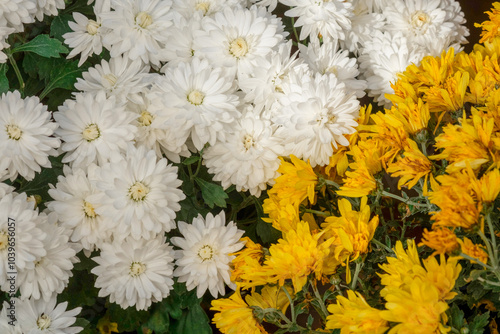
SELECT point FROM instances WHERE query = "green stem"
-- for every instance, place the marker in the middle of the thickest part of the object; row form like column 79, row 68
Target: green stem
column 320, row 300
column 488, row 246
column 18, row 73
column 292, row 308
column 399, row 198
column 493, row 240
column 470, row 258
column 378, row 243
column 359, row 265
column 316, row 212
column 331, row 183
column 295, row 31
column 191, row 175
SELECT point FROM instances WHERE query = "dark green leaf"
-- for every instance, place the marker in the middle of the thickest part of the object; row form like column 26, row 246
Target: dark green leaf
column 60, row 26
column 128, row 319
column 212, row 193
column 478, row 324
column 456, row 317
column 86, row 263
column 191, row 160
column 266, row 232
column 193, row 320
column 44, row 46
column 159, row 321
column 80, row 290
column 33, row 86
column 63, row 76
column 34, row 65
column 4, row 82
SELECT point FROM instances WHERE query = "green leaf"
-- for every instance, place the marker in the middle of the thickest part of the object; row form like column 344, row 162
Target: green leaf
column 44, row 46
column 60, row 26
column 159, row 321
column 4, row 82
column 456, row 317
column 191, row 160
column 80, row 290
column 478, row 324
column 128, row 319
column 193, row 320
column 212, row 193
column 34, row 65
column 266, row 232
column 86, row 263
column 63, row 76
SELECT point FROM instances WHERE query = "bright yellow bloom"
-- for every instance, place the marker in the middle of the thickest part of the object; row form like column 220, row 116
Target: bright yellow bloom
column 405, row 265
column 442, row 275
column 490, row 186
column 271, row 297
column 283, row 217
column 490, row 28
column 441, row 239
column 247, row 260
column 358, row 183
column 492, row 109
column 450, row 96
column 473, row 250
column 411, row 167
column 354, row 315
column 414, row 116
column 106, row 327
column 235, row 316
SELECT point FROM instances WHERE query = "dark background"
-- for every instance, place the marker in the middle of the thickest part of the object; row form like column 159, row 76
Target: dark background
column 474, row 13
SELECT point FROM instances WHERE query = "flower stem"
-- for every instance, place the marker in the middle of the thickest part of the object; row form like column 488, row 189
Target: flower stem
column 470, row 258
column 399, row 198
column 295, row 31
column 316, row 212
column 320, row 300
column 490, row 250
column 16, row 70
column 331, row 183
column 378, row 243
column 493, row 240
column 359, row 265
column 292, row 308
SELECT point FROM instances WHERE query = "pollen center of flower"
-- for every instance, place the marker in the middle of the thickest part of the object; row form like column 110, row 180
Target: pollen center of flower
column 91, row 132
column 109, row 80
column 333, row 69
column 248, row 142
column 4, row 240
column 238, row 47
column 206, row 253
column 92, row 27
column 146, row 118
column 136, row 269
column 332, row 118
column 196, row 97
column 14, row 132
column 138, row 191
column 89, row 210
column 419, row 19
column 43, row 322
column 203, row 6
column 143, row 20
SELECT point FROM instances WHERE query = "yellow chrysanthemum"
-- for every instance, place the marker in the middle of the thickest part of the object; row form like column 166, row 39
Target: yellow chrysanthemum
column 234, row 316
column 491, row 109
column 441, row 239
column 442, row 275
column 358, row 183
column 491, row 28
column 283, row 216
column 247, row 260
column 405, row 265
column 271, row 297
column 473, row 250
column 414, row 116
column 450, row 95
column 411, row 167
column 354, row 315
column 490, row 186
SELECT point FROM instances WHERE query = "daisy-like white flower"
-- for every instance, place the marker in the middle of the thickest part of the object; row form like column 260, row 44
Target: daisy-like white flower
column 76, row 209
column 135, row 272
column 141, row 192
column 48, row 7
column 236, row 38
column 21, row 221
column 328, row 58
column 203, row 261
column 92, row 127
column 16, row 13
column 137, row 28
column 203, row 100
column 4, row 34
column 40, row 316
column 270, row 4
column 248, row 158
column 329, row 19
column 180, row 40
column 120, row 77
column 8, row 318
column 51, row 272
column 316, row 117
column 26, row 131
column 189, row 8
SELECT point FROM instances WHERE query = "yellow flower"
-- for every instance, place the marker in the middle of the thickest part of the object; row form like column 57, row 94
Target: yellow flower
column 441, row 239
column 442, row 275
column 246, row 261
column 489, row 186
column 106, row 327
column 283, row 216
column 473, row 250
column 490, row 28
column 411, row 167
column 271, row 297
column 450, row 95
column 354, row 315
column 406, row 265
column 234, row 316
column 358, row 183
column 414, row 116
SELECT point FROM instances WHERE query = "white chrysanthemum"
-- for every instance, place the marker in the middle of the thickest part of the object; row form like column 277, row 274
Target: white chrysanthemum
column 373, row 6
column 92, row 128
column 189, row 8
column 16, row 13
column 316, row 117
column 329, row 19
column 180, row 40
column 382, row 59
column 40, row 316
column 203, row 261
column 248, row 158
column 203, row 100
column 327, row 58
column 363, row 23
column 8, row 318
column 137, row 28
column 26, row 131
column 4, row 34
column 51, row 272
column 76, row 209
column 120, row 77
column 141, row 192
column 48, row 7
column 135, row 272
column 270, row 4
column 18, row 218
column 237, row 38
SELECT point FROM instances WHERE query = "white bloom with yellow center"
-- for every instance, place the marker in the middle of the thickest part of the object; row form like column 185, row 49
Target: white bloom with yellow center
column 203, row 260
column 135, row 272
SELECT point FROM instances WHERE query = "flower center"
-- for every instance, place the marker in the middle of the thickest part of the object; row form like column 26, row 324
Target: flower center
column 92, row 27
column 238, row 47
column 109, row 80
column 91, row 132
column 196, row 97
column 43, row 322
column 88, row 209
column 136, row 269
column 143, row 19
column 14, row 132
column 333, row 69
column 4, row 240
column 419, row 19
column 203, row 6
column 205, row 253
column 146, row 118
column 138, row 191
column 248, row 142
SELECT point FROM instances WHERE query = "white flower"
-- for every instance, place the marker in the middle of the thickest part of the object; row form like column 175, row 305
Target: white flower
column 26, row 135
column 189, row 8
column 270, row 4
column 20, row 221
column 47, row 7
column 51, row 272
column 330, row 19
column 202, row 99
column 92, row 127
column 180, row 40
column 316, row 117
column 4, row 34
column 76, row 209
column 237, row 38
column 135, row 272
column 40, row 316
column 363, row 23
column 141, row 192
column 203, row 261
column 248, row 158
column 137, row 29
column 16, row 13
